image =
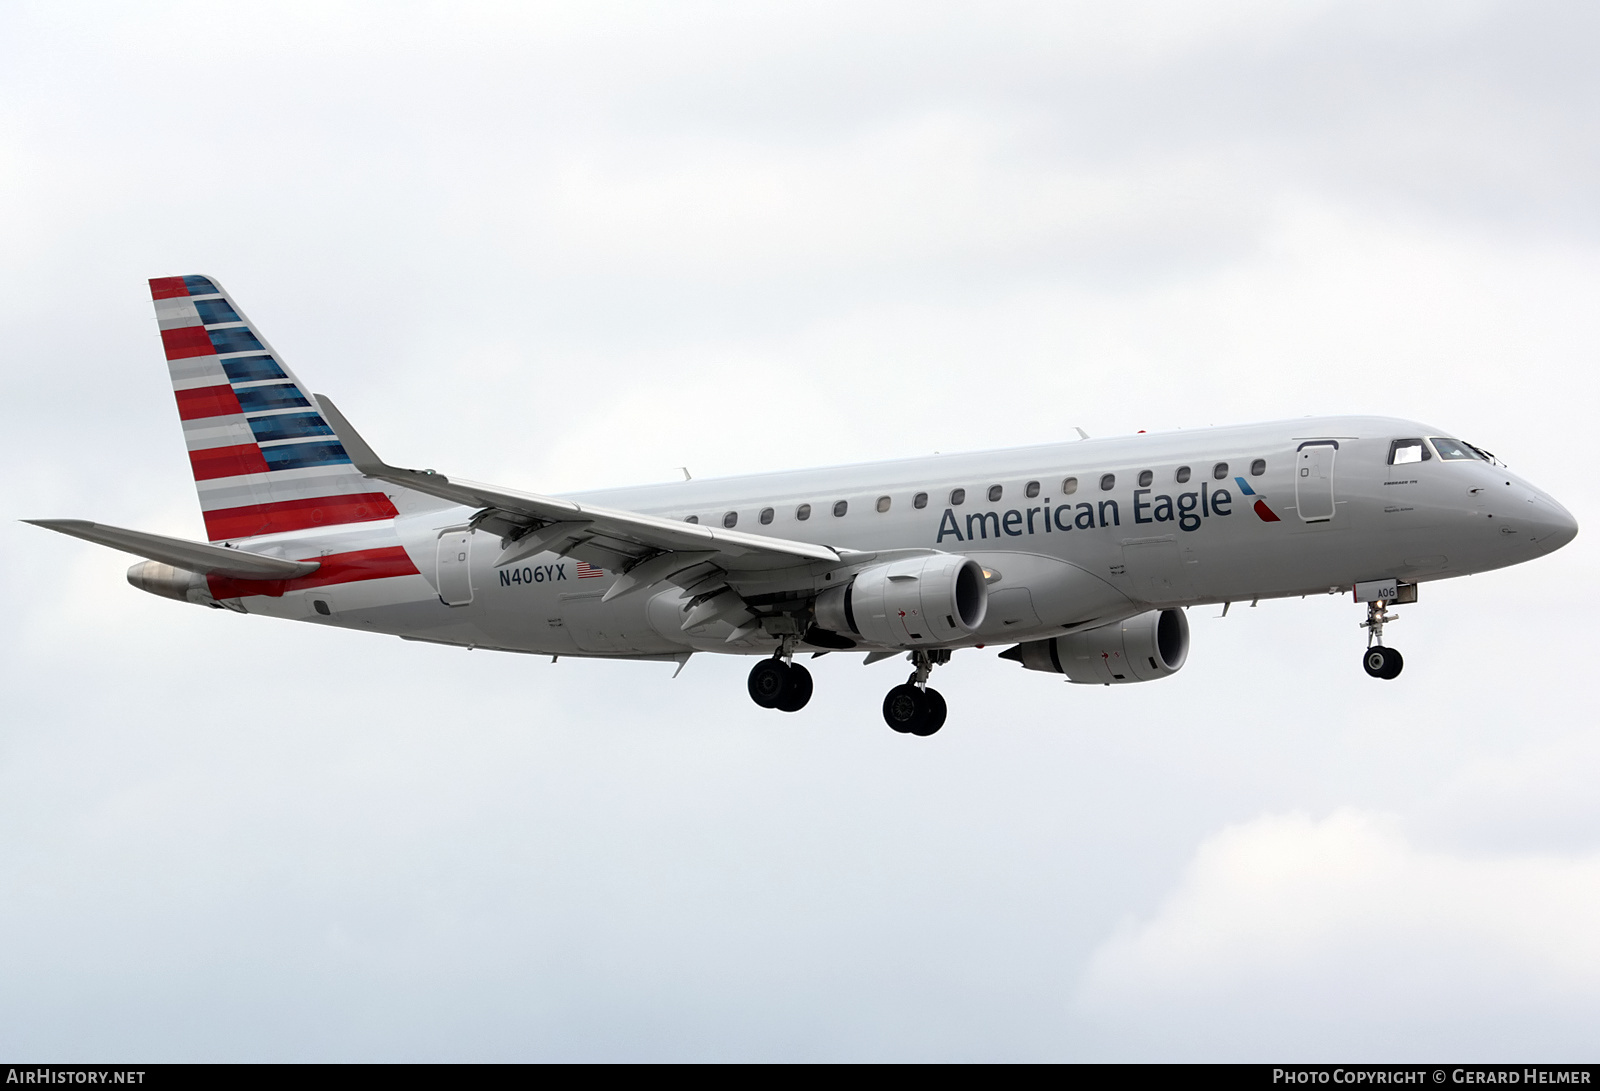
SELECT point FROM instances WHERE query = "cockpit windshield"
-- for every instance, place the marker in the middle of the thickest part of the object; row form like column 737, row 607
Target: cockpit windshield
column 1452, row 449
column 1403, row 451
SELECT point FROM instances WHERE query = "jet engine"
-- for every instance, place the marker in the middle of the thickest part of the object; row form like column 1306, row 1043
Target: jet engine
column 1140, row 649
column 930, row 599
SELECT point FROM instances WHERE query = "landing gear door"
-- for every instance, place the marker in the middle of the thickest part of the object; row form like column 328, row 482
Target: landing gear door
column 455, row 567
column 1313, row 480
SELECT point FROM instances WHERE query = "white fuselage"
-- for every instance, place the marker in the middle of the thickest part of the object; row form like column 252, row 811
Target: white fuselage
column 1056, row 560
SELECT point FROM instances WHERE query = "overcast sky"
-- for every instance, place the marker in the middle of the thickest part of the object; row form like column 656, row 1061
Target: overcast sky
column 561, row 247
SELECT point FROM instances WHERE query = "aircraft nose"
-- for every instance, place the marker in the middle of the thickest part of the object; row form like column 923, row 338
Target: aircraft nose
column 1553, row 525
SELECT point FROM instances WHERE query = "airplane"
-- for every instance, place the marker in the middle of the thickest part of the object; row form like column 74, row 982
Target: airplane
column 1080, row 557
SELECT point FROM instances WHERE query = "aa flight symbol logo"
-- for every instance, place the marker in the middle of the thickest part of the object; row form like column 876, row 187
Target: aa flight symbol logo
column 1266, row 514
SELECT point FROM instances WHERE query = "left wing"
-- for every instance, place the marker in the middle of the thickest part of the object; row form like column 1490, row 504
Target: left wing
column 646, row 548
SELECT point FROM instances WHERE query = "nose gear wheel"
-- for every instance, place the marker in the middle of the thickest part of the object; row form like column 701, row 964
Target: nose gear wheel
column 1379, row 661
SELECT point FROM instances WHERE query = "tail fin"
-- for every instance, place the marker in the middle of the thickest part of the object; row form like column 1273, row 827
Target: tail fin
column 264, row 459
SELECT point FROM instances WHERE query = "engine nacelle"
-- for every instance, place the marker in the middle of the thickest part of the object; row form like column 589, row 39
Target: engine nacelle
column 171, row 583
column 1140, row 649
column 931, row 599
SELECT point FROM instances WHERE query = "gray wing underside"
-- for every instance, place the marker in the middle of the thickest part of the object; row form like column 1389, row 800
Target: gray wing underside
column 647, row 548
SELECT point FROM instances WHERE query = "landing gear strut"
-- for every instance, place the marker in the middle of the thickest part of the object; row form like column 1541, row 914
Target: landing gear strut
column 780, row 682
column 913, row 708
column 1378, row 661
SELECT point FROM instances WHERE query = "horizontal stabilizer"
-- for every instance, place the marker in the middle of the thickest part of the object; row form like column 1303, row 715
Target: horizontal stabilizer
column 190, row 556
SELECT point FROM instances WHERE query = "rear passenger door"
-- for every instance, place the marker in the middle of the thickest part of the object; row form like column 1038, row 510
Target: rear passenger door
column 455, row 567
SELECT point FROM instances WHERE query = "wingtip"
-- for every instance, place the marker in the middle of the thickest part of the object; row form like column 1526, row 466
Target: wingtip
column 59, row 524
column 361, row 454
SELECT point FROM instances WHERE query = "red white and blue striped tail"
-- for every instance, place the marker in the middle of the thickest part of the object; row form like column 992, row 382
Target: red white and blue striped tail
column 265, row 462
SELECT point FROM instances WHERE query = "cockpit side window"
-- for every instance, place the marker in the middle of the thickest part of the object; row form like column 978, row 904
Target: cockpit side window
column 1402, row 451
column 1452, row 449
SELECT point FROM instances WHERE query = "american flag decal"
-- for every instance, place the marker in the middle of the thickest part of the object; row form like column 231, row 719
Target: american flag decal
column 587, row 571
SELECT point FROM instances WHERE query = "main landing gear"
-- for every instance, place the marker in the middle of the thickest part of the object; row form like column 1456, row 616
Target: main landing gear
column 913, row 708
column 1378, row 661
column 780, row 683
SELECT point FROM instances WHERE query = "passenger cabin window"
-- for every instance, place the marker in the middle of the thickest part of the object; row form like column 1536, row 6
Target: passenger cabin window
column 958, row 497
column 883, row 503
column 1258, row 467
column 1403, row 451
column 1182, row 475
column 731, row 520
column 1145, row 477
column 840, row 508
column 1032, row 490
column 995, row 493
column 1069, row 486
column 803, row 512
column 1452, row 450
column 691, row 519
column 920, row 500
column 1219, row 471
column 766, row 516
column 1108, row 482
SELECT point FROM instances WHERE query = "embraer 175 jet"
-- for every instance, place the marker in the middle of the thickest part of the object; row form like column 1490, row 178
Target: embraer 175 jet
column 1081, row 556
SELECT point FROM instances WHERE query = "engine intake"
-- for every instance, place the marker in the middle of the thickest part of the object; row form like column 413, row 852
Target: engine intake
column 931, row 599
column 1141, row 649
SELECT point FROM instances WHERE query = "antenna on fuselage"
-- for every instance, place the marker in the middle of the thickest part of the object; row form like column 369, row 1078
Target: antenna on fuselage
column 1081, row 433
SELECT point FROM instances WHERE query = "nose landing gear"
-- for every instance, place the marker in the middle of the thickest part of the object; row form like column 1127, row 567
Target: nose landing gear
column 780, row 683
column 1378, row 661
column 913, row 708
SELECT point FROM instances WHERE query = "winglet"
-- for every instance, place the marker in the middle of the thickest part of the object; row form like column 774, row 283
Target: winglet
column 366, row 460
column 363, row 456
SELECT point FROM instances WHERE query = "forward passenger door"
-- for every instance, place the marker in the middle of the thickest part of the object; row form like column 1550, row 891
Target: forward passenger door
column 1313, row 480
